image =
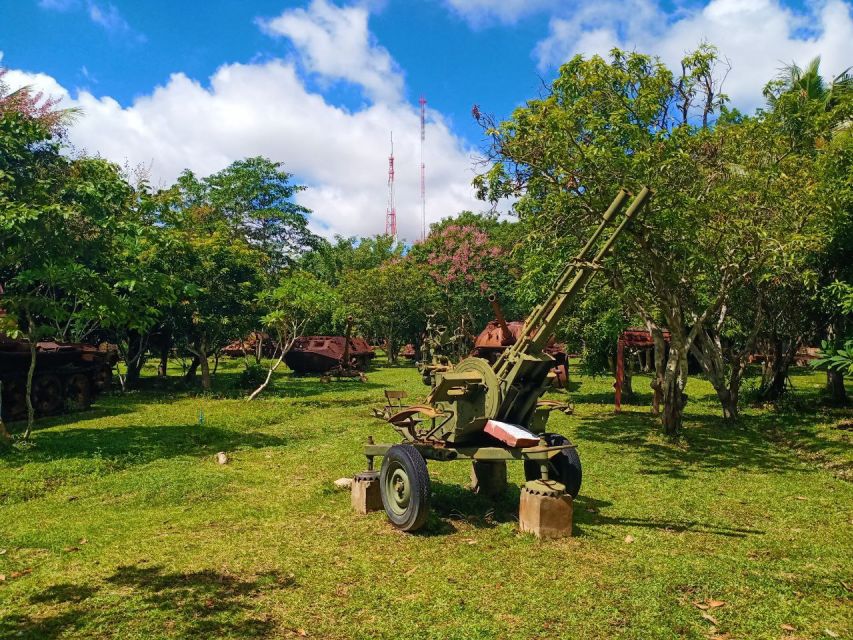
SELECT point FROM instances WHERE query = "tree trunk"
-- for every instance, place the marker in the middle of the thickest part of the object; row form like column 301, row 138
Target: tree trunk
column 266, row 382
column 135, row 359
column 5, row 438
column 659, row 355
column 835, row 387
column 775, row 379
column 205, row 365
column 215, row 362
column 627, row 380
column 708, row 350
column 391, row 350
column 672, row 389
column 165, row 348
column 31, row 412
column 191, row 370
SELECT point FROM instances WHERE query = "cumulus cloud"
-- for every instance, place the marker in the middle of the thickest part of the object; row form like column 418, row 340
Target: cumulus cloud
column 483, row 12
column 757, row 36
column 266, row 109
column 335, row 43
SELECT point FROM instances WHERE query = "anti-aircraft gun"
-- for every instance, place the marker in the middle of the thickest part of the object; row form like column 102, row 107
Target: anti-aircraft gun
column 493, row 413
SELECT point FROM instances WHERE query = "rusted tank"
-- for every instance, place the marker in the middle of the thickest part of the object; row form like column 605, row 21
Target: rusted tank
column 500, row 334
column 256, row 343
column 322, row 354
column 67, row 376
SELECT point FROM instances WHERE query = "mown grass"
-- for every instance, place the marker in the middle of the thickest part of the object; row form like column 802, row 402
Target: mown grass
column 118, row 523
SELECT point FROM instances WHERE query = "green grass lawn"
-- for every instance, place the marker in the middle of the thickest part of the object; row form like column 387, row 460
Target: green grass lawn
column 119, row 523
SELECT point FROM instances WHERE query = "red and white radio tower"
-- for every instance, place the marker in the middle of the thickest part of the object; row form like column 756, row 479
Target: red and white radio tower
column 391, row 211
column 422, row 102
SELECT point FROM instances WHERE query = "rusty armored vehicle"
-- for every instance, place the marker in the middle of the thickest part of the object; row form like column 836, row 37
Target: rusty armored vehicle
column 67, row 376
column 491, row 413
column 257, row 343
column 500, row 335
column 344, row 356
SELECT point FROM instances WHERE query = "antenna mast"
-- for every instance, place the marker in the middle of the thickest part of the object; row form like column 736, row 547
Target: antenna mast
column 422, row 102
column 391, row 211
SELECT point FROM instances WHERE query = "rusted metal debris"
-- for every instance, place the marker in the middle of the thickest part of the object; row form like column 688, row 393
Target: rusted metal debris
column 639, row 339
column 67, row 376
column 500, row 334
column 256, row 342
column 339, row 356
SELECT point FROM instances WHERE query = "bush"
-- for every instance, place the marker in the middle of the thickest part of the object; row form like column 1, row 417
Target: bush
column 252, row 377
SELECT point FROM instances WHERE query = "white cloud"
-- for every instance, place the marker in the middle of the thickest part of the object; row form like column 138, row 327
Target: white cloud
column 482, row 12
column 757, row 36
column 266, row 109
column 335, row 42
column 105, row 15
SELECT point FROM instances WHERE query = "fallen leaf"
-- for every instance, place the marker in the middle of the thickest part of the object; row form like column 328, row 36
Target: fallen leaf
column 302, row 633
column 700, row 605
column 801, row 497
column 3, row 553
column 831, row 633
column 84, row 541
column 2, row 578
column 710, row 618
column 18, row 574
column 788, row 627
column 71, row 549
column 629, row 539
column 411, row 571
column 715, row 603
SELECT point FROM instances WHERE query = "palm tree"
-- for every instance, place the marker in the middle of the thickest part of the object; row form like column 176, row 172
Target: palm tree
column 808, row 84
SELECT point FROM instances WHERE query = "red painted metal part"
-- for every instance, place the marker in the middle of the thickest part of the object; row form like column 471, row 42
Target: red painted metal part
column 498, row 335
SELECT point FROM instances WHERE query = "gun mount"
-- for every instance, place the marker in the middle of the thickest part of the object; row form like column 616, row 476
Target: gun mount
column 490, row 413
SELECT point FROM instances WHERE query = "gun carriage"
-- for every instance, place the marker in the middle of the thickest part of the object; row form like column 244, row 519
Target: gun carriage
column 492, row 413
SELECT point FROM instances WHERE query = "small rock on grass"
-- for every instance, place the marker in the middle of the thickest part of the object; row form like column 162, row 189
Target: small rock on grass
column 343, row 483
column 222, row 458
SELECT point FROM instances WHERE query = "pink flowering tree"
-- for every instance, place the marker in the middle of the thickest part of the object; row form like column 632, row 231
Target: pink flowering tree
column 468, row 258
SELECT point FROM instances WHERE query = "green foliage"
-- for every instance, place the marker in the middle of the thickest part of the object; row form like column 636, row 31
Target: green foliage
column 390, row 302
column 300, row 303
column 834, row 358
column 330, row 261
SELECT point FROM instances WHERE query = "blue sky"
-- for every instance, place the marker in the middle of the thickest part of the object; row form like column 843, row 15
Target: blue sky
column 319, row 84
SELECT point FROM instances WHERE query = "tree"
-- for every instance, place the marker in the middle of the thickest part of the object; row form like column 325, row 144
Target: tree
column 468, row 258
column 719, row 220
column 299, row 303
column 390, row 301
column 329, row 261
column 255, row 196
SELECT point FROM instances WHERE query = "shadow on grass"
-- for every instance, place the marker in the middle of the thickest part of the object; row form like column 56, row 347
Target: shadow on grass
column 707, row 442
column 135, row 444
column 587, row 513
column 195, row 604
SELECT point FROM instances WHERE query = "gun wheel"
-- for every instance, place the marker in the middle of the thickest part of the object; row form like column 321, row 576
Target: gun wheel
column 565, row 467
column 405, row 487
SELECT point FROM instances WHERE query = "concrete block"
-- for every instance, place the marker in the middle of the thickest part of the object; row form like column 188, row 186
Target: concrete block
column 488, row 478
column 365, row 494
column 545, row 516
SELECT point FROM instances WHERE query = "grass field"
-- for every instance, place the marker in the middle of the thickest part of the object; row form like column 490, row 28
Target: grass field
column 119, row 523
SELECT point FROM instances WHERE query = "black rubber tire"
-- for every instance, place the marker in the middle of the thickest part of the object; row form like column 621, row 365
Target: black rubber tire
column 405, row 487
column 565, row 467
